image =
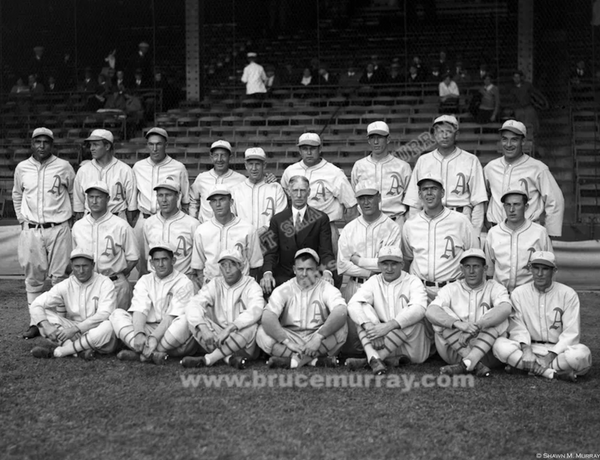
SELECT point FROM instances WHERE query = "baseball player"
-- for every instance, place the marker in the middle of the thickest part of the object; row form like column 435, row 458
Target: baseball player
column 460, row 171
column 106, row 168
column 468, row 316
column 544, row 329
column 223, row 231
column 330, row 191
column 220, row 175
column 159, row 299
column 172, row 225
column 42, row 196
column 305, row 319
column 435, row 239
column 110, row 239
column 389, row 310
column 518, row 171
column 224, row 316
column 509, row 245
column 255, row 200
column 74, row 313
column 390, row 174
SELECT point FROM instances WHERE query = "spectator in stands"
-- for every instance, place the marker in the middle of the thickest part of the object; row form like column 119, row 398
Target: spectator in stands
column 413, row 75
column 395, row 75
column 579, row 73
column 139, row 82
column 307, row 79
column 435, row 75
column 442, row 64
column 369, row 77
column 421, row 69
column 254, row 77
column 143, row 61
column 20, row 87
column 449, row 95
column 52, row 86
column 483, row 71
column 490, row 102
column 461, row 76
column 521, row 102
column 111, row 59
column 37, row 64
column 88, row 85
column 349, row 80
column 35, row 87
column 98, row 99
column 325, row 77
column 380, row 72
column 273, row 80
column 120, row 81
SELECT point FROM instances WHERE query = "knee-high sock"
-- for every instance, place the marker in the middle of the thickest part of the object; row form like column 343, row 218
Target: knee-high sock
column 480, row 346
column 451, row 336
column 232, row 344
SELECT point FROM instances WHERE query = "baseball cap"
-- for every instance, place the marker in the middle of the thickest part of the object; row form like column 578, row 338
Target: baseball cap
column 231, row 254
column 218, row 190
column 473, row 253
column 251, row 54
column 221, row 144
column 514, row 126
column 42, row 132
column 390, row 253
column 255, row 153
column 378, row 127
column 450, row 119
column 515, row 192
column 169, row 184
column 101, row 135
column 98, row 185
column 164, row 245
column 309, row 139
column 159, row 131
column 80, row 252
column 365, row 188
column 432, row 177
column 144, row 45
column 543, row 258
column 310, row 252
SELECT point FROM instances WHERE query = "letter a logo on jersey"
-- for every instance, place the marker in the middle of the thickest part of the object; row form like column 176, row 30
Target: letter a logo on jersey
column 55, row 190
column 558, row 323
column 320, row 193
column 270, row 208
column 181, row 247
column 462, row 186
column 111, row 247
column 531, row 251
column 524, row 186
column 119, row 195
column 396, row 188
column 449, row 251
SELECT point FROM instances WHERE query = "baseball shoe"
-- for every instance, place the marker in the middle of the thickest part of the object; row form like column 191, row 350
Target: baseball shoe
column 399, row 361
column 87, row 355
column 128, row 355
column 193, row 361
column 282, row 363
column 43, row 352
column 159, row 358
column 481, row 370
column 377, row 366
column 515, row 370
column 237, row 362
column 328, row 361
column 355, row 364
column 569, row 376
column 32, row 332
column 454, row 369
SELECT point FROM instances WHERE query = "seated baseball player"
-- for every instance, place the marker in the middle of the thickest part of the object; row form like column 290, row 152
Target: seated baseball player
column 74, row 313
column 158, row 299
column 223, row 317
column 389, row 310
column 544, row 329
column 468, row 316
column 305, row 319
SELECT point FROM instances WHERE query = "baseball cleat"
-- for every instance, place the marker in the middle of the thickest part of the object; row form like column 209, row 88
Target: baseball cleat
column 399, row 361
column 193, row 361
column 43, row 352
column 128, row 355
column 159, row 358
column 282, row 363
column 569, row 376
column 87, row 355
column 328, row 361
column 481, row 370
column 237, row 362
column 32, row 332
column 377, row 366
column 355, row 364
column 454, row 369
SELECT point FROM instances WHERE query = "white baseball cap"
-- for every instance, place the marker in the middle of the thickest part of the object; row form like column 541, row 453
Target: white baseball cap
column 450, row 119
column 390, row 253
column 432, row 177
column 255, row 153
column 231, row 254
column 218, row 190
column 42, row 132
column 514, row 126
column 366, row 188
column 515, row 192
column 80, row 252
column 544, row 258
column 378, row 127
column 309, row 139
column 472, row 253
column 251, row 54
column 310, row 252
column 98, row 185
column 165, row 245
column 101, row 135
column 170, row 184
column 159, row 131
column 221, row 144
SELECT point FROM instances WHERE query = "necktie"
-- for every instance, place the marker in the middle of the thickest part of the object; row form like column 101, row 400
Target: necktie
column 298, row 222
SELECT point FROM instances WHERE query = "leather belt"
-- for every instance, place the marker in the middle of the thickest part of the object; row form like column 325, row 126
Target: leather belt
column 436, row 284
column 48, row 225
column 541, row 341
column 457, row 208
column 358, row 279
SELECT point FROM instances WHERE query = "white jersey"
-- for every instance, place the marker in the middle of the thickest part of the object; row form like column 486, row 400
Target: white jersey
column 436, row 245
column 534, row 178
column 508, row 252
column 257, row 203
column 391, row 175
column 156, row 298
column 462, row 176
column 87, row 303
column 149, row 174
column 241, row 304
column 330, row 190
column 403, row 300
column 43, row 192
column 110, row 239
column 121, row 185
column 202, row 186
column 255, row 78
column 211, row 238
column 178, row 230
column 304, row 311
column 550, row 317
column 366, row 239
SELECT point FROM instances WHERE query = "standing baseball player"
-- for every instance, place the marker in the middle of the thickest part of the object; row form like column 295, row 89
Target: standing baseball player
column 544, row 329
column 390, row 174
column 330, row 191
column 110, row 239
column 223, row 231
column 468, row 316
column 106, row 168
column 74, row 313
column 518, row 171
column 460, row 171
column 434, row 240
column 509, row 245
column 305, row 319
column 224, row 316
column 42, row 195
column 389, row 310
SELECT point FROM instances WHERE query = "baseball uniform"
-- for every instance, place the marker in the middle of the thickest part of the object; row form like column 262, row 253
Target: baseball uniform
column 508, row 252
column 257, row 203
column 204, row 183
column 86, row 306
column 549, row 322
column 535, row 179
column 211, row 238
column 121, row 185
column 404, row 300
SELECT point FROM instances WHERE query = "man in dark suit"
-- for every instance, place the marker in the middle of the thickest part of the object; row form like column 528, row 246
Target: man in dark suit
column 295, row 228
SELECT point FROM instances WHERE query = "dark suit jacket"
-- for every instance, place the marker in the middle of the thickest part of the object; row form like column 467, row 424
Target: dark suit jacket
column 281, row 242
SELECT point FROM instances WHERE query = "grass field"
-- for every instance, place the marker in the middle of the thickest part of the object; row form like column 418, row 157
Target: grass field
column 72, row 409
